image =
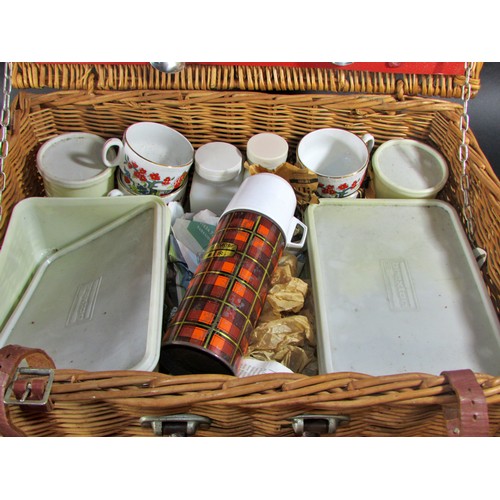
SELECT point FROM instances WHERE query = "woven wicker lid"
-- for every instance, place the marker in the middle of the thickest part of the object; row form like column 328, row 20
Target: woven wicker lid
column 400, row 79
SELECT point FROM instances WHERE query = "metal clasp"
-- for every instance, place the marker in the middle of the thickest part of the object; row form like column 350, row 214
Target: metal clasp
column 480, row 255
column 315, row 425
column 169, row 67
column 181, row 425
column 10, row 398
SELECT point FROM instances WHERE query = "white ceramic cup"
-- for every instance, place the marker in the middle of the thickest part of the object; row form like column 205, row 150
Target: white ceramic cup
column 154, row 157
column 273, row 197
column 339, row 158
column 405, row 168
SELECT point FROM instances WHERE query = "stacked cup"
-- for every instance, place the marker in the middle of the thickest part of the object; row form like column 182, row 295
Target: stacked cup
column 153, row 159
column 339, row 158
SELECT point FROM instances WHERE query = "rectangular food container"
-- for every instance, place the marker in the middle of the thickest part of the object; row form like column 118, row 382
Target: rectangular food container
column 397, row 289
column 84, row 278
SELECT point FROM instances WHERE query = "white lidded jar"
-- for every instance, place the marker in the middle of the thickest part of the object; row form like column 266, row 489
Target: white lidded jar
column 267, row 150
column 216, row 178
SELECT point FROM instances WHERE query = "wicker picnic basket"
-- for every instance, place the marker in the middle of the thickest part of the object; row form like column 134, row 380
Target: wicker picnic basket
column 208, row 102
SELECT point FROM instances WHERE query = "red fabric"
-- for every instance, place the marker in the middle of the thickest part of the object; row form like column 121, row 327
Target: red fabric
column 425, row 68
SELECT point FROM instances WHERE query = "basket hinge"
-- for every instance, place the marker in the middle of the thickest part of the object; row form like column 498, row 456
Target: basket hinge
column 181, row 425
column 316, row 425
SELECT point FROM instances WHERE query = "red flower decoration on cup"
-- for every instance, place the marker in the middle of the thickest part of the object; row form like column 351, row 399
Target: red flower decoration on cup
column 179, row 181
column 142, row 183
column 139, row 175
column 341, row 191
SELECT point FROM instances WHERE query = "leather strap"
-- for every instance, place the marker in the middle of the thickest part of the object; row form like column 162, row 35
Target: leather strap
column 35, row 386
column 469, row 417
column 11, row 356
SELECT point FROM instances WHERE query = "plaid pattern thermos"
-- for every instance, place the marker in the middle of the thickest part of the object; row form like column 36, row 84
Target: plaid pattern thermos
column 211, row 328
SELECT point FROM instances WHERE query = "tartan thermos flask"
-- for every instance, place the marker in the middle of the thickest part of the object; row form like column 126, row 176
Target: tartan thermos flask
column 210, row 330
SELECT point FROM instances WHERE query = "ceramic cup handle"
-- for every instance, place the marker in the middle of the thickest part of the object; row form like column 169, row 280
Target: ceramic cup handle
column 291, row 231
column 369, row 140
column 116, row 160
column 115, row 192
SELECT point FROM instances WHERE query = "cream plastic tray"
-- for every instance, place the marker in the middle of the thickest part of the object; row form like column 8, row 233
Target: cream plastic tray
column 397, row 289
column 84, row 279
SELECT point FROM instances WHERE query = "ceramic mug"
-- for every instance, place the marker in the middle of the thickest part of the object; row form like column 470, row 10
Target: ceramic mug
column 272, row 196
column 338, row 157
column 154, row 158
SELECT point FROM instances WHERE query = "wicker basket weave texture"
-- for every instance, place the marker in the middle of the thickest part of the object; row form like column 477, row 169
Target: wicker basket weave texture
column 132, row 76
column 234, row 117
column 112, row 403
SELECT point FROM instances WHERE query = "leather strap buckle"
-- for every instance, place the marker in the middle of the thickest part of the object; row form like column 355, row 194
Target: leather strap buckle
column 27, row 390
column 31, row 393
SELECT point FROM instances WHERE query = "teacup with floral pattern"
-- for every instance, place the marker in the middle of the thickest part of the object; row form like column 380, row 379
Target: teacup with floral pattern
column 338, row 157
column 154, row 158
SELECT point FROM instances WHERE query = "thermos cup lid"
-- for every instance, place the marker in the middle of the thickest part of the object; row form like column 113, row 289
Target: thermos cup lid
column 272, row 196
